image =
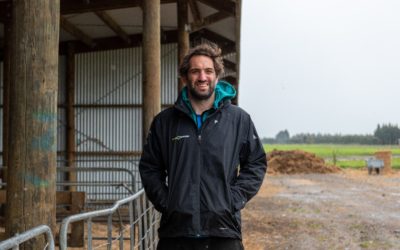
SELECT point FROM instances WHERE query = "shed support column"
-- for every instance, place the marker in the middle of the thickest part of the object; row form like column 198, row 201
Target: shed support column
column 71, row 114
column 151, row 63
column 6, row 93
column 237, row 36
column 183, row 34
column 31, row 189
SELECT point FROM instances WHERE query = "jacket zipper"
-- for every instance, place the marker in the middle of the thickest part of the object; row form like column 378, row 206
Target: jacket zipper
column 197, row 225
column 199, row 138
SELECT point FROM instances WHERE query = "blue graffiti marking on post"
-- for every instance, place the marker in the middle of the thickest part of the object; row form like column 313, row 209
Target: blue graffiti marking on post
column 44, row 116
column 36, row 181
column 46, row 142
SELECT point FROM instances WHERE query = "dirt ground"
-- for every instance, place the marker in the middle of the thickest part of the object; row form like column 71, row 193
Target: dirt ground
column 346, row 210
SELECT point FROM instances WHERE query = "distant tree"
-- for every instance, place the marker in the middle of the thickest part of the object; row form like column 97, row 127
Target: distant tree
column 267, row 140
column 282, row 137
column 336, row 139
column 387, row 134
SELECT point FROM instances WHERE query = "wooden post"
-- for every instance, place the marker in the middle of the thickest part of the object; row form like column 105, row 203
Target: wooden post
column 151, row 63
column 6, row 102
column 237, row 38
column 77, row 237
column 233, row 81
column 31, row 189
column 71, row 114
column 6, row 87
column 183, row 34
column 151, row 71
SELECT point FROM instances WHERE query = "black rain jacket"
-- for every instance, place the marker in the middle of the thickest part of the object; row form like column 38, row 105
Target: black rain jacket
column 200, row 179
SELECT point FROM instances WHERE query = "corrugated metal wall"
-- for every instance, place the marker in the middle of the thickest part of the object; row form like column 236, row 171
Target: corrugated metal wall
column 108, row 113
column 108, row 95
column 107, row 81
column 169, row 74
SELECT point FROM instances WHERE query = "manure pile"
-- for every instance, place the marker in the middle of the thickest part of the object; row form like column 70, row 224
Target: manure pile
column 297, row 162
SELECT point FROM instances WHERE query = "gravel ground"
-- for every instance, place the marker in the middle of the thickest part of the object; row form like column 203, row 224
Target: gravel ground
column 347, row 210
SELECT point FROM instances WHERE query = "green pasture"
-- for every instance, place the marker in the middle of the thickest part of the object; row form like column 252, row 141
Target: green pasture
column 346, row 156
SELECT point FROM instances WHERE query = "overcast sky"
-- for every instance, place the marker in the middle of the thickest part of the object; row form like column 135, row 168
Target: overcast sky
column 329, row 66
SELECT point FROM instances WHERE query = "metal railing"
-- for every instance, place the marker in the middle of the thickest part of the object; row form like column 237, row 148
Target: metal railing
column 142, row 223
column 14, row 242
column 100, row 183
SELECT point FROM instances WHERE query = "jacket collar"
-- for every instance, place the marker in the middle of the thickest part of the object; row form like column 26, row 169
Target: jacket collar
column 224, row 92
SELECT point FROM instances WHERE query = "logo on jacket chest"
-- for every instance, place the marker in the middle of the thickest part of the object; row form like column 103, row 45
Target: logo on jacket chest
column 180, row 137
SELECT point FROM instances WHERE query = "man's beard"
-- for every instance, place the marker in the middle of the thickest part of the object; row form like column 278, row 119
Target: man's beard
column 200, row 97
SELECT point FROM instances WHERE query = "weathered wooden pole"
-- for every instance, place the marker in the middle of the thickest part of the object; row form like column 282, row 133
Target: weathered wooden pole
column 78, row 228
column 151, row 63
column 183, row 34
column 237, row 38
column 71, row 114
column 31, row 190
column 238, row 19
column 6, row 91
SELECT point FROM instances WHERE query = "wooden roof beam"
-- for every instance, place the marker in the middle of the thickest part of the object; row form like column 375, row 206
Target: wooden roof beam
column 76, row 32
column 194, row 8
column 228, row 46
column 109, row 43
column 221, row 5
column 79, row 6
column 208, row 20
column 170, row 36
column 113, row 25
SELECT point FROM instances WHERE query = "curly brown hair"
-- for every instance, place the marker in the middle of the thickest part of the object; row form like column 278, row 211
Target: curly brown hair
column 210, row 50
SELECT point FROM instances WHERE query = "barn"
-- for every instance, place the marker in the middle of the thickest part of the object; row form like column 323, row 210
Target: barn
column 80, row 83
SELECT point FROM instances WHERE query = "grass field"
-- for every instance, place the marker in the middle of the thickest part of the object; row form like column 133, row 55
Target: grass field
column 347, row 156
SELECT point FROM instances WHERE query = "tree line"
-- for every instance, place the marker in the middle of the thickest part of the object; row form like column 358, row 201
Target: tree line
column 385, row 134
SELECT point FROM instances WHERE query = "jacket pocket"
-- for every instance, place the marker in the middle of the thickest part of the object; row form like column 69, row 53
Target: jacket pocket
column 233, row 211
column 235, row 221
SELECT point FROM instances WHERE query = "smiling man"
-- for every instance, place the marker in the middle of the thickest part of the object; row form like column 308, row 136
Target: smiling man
column 203, row 160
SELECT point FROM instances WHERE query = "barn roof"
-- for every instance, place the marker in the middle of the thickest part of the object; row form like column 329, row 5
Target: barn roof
column 103, row 24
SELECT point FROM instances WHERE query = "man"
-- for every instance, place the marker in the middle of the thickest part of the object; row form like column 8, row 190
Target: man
column 203, row 160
